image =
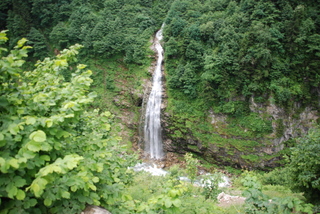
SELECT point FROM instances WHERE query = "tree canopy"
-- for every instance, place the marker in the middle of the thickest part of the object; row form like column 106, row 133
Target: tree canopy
column 304, row 166
column 245, row 48
column 104, row 28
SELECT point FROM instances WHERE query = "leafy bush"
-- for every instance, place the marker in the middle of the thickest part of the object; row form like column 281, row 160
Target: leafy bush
column 211, row 185
column 278, row 176
column 191, row 166
column 176, row 171
column 55, row 156
column 258, row 202
column 304, row 166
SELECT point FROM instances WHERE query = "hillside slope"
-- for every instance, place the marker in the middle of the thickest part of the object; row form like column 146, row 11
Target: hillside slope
column 242, row 78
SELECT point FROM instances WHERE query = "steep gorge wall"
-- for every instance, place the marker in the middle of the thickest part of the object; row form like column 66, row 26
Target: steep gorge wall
column 220, row 147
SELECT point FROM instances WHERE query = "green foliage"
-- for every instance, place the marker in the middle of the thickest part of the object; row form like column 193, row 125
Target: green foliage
column 55, row 156
column 19, row 18
column 304, row 165
column 279, row 128
column 222, row 54
column 105, row 28
column 38, row 43
column 242, row 49
column 211, row 185
column 258, row 202
column 256, row 124
column 285, row 89
column 184, row 78
column 176, row 171
column 59, row 37
column 237, row 137
column 278, row 176
column 191, row 166
column 165, row 194
column 47, row 14
column 172, row 48
column 168, row 202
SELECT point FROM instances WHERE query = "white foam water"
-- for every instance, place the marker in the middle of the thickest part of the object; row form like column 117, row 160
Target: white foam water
column 152, row 126
column 151, row 168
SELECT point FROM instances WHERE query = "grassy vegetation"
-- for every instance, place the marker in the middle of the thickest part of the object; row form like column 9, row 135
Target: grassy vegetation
column 145, row 188
column 120, row 90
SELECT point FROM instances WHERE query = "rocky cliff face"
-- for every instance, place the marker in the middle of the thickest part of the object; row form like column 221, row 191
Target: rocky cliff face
column 239, row 150
column 287, row 125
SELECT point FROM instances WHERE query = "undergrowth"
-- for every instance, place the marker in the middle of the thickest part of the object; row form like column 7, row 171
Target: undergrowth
column 168, row 194
column 120, row 90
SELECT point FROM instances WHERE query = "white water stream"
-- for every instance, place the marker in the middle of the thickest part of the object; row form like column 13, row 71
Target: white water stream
column 152, row 125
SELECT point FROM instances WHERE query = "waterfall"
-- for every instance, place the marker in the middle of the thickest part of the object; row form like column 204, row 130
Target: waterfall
column 152, row 125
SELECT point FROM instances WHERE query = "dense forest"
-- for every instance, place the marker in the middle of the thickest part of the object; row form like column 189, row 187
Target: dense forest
column 232, row 49
column 241, row 63
column 68, row 131
column 104, row 28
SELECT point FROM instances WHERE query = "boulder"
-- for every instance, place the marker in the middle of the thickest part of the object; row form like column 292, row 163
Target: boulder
column 91, row 209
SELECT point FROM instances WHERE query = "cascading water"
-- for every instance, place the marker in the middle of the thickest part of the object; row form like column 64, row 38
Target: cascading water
column 152, row 125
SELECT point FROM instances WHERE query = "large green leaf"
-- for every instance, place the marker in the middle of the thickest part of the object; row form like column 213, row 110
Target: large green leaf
column 47, row 202
column 65, row 194
column 14, row 163
column 12, row 190
column 29, row 203
column 13, row 128
column 46, row 146
column 21, row 195
column 4, row 166
column 168, row 202
column 37, row 186
column 34, row 146
column 49, row 122
column 30, row 120
column 95, row 179
column 21, row 42
column 28, row 154
column 177, row 202
column 38, row 136
column 19, row 181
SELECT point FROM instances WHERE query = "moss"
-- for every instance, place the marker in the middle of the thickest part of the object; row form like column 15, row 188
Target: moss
column 177, row 134
column 221, row 137
column 233, row 170
column 113, row 80
column 230, row 152
column 251, row 158
column 193, row 148
column 236, row 135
